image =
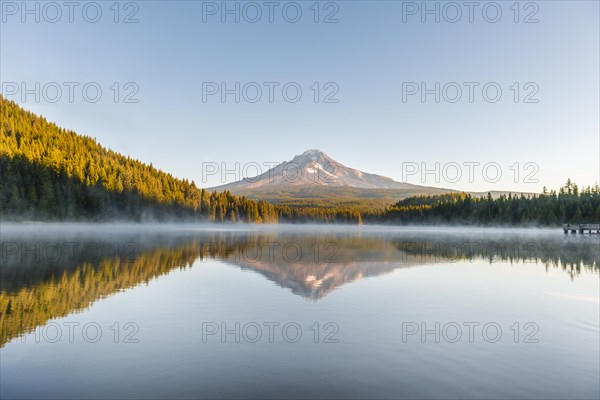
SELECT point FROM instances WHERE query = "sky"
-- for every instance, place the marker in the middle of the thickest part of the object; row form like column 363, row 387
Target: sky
column 367, row 72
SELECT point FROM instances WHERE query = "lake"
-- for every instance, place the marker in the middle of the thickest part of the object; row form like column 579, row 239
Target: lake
column 234, row 311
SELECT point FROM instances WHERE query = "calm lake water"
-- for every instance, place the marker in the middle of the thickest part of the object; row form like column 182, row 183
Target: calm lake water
column 118, row 311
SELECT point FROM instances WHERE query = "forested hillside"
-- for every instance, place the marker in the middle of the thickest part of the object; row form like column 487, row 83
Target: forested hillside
column 51, row 173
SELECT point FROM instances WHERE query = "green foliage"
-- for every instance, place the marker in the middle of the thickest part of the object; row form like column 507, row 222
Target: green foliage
column 50, row 173
column 570, row 205
column 329, row 215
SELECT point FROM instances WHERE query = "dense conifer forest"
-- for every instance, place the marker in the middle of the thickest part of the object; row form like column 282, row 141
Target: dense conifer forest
column 53, row 174
column 49, row 173
column 550, row 208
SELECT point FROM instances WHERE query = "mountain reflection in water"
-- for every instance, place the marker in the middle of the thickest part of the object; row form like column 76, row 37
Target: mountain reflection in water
column 49, row 273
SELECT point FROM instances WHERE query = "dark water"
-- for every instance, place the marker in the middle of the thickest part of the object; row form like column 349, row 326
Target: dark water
column 324, row 312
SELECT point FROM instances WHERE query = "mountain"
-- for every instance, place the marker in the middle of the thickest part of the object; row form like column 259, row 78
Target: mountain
column 313, row 167
column 314, row 178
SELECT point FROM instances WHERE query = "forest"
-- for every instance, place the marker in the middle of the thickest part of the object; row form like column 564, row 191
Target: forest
column 49, row 173
column 569, row 204
column 550, row 208
column 52, row 174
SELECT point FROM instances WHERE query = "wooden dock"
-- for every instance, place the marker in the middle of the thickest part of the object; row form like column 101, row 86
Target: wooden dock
column 581, row 228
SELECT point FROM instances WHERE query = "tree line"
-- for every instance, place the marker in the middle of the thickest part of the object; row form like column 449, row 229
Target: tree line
column 49, row 173
column 550, row 208
column 569, row 204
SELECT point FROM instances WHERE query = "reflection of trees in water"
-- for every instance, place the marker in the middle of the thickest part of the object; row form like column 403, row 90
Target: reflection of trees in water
column 35, row 290
column 359, row 256
column 77, row 288
column 569, row 255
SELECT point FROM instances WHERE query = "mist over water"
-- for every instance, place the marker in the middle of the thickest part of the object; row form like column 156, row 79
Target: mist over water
column 230, row 311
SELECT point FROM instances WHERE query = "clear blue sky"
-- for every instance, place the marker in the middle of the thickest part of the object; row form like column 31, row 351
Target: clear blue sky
column 369, row 53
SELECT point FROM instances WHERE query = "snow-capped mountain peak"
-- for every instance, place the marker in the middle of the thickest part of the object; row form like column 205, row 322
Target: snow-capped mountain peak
column 314, row 167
